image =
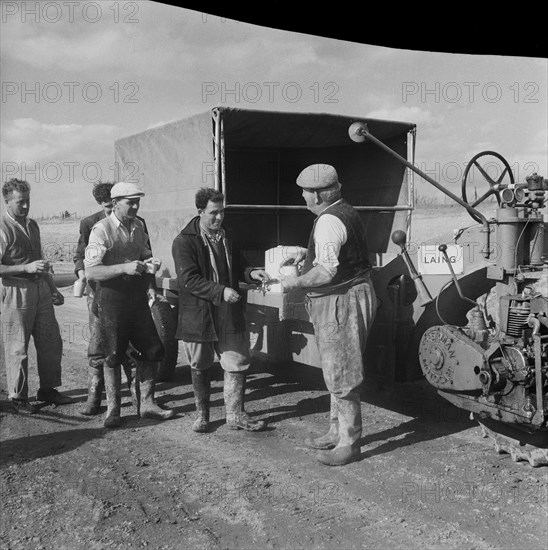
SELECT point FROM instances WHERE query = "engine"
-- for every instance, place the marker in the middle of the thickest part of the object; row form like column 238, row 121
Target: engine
column 497, row 365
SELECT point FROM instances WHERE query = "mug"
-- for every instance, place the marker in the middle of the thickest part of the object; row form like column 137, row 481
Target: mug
column 79, row 287
column 151, row 267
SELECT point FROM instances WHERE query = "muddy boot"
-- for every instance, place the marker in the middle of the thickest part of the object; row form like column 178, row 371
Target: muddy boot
column 331, row 438
column 147, row 381
column 350, row 430
column 130, row 369
column 96, row 384
column 201, row 382
column 113, row 382
column 236, row 417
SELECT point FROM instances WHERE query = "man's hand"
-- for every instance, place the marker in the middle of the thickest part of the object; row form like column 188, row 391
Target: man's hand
column 293, row 255
column 230, row 296
column 289, row 282
column 153, row 297
column 39, row 266
column 81, row 275
column 259, row 275
column 134, row 268
column 58, row 298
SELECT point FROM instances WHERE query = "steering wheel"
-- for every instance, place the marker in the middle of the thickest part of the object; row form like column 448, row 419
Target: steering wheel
column 494, row 186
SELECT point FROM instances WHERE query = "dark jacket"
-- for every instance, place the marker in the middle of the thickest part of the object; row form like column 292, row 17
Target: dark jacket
column 203, row 315
column 85, row 229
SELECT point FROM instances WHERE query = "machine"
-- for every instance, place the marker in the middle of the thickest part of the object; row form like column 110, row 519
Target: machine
column 478, row 334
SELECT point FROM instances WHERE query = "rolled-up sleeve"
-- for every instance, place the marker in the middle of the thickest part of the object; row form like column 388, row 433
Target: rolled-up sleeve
column 329, row 236
column 3, row 244
column 96, row 248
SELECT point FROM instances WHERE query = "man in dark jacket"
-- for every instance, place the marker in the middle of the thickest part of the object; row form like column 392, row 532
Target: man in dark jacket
column 101, row 193
column 211, row 314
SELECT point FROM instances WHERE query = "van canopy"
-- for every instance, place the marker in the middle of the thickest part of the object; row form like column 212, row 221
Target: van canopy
column 254, row 157
column 273, row 129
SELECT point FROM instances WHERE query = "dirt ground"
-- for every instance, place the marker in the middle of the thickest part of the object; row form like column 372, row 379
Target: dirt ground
column 425, row 479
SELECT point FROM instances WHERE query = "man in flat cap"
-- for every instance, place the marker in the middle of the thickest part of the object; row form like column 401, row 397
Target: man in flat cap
column 116, row 259
column 96, row 383
column 341, row 300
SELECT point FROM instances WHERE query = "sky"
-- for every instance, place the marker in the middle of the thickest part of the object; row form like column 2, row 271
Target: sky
column 76, row 76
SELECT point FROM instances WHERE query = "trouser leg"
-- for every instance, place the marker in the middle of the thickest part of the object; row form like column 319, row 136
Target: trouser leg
column 18, row 313
column 47, row 339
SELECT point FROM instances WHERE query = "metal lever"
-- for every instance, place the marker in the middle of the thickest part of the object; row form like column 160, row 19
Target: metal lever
column 443, row 249
column 399, row 237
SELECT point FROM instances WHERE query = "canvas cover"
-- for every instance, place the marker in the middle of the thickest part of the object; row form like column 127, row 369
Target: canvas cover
column 255, row 157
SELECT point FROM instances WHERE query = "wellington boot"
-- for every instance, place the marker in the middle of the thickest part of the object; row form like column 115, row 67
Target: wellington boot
column 236, row 417
column 350, row 430
column 331, row 438
column 147, row 382
column 130, row 369
column 326, row 441
column 96, row 384
column 113, row 382
column 201, row 383
column 340, row 455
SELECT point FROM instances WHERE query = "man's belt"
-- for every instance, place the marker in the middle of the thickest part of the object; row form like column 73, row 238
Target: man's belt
column 340, row 288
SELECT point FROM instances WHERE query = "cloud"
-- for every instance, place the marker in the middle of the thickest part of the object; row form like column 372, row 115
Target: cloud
column 29, row 141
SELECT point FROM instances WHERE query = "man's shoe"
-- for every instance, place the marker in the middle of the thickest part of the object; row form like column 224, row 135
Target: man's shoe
column 339, row 456
column 23, row 406
column 52, row 396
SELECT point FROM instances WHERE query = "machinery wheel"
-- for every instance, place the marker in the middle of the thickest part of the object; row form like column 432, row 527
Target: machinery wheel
column 166, row 325
column 493, row 185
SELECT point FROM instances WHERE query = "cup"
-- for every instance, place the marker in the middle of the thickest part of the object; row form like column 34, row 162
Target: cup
column 151, row 267
column 291, row 270
column 79, row 287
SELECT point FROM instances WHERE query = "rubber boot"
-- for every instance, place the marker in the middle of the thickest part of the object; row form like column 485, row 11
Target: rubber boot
column 96, row 384
column 130, row 367
column 201, row 382
column 147, row 382
column 350, row 431
column 236, row 417
column 113, row 383
column 331, row 438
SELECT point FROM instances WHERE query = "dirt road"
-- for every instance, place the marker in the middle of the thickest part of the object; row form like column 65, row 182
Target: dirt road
column 426, row 478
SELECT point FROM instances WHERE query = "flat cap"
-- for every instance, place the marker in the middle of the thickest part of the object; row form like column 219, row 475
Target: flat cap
column 127, row 190
column 318, row 176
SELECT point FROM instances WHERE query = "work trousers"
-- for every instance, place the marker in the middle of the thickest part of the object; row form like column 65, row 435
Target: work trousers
column 341, row 325
column 124, row 317
column 27, row 310
column 231, row 346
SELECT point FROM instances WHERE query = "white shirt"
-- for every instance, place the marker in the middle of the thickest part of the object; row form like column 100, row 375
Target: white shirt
column 329, row 236
column 110, row 235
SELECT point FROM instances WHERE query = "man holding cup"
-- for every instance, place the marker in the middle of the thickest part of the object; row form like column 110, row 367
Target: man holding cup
column 101, row 194
column 28, row 296
column 116, row 258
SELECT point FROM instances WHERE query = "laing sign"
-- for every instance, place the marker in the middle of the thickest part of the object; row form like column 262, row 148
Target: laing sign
column 432, row 262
